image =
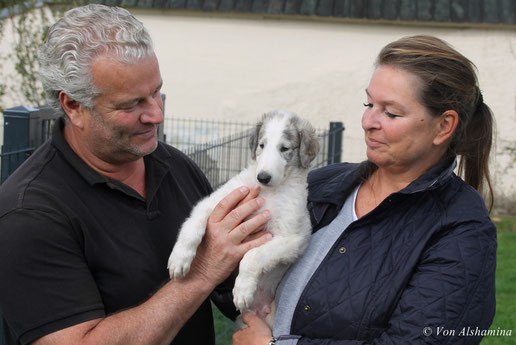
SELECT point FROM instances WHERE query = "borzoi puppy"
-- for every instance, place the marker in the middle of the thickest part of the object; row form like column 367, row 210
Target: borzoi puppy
column 282, row 146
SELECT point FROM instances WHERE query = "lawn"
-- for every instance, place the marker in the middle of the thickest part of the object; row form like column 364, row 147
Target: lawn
column 505, row 318
column 223, row 328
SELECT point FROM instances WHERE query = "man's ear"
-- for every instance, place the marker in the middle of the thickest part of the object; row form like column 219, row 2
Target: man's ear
column 447, row 123
column 73, row 109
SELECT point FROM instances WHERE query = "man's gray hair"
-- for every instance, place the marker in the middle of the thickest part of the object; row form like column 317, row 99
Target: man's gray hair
column 83, row 34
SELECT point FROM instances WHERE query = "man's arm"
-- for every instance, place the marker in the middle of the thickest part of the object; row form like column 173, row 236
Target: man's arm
column 159, row 319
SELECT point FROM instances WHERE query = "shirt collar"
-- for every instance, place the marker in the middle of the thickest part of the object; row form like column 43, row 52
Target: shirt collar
column 155, row 165
column 58, row 140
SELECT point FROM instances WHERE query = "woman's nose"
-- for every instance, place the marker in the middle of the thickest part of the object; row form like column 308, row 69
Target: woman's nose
column 370, row 119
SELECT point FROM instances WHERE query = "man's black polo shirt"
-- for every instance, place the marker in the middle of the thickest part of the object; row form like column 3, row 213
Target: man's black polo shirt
column 76, row 245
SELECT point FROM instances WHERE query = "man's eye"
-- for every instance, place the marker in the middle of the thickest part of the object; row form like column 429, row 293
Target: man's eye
column 127, row 106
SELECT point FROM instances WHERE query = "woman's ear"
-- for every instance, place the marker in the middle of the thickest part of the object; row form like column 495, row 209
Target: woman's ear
column 73, row 109
column 447, row 123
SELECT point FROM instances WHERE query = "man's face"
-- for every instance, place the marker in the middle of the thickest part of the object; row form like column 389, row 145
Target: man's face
column 122, row 126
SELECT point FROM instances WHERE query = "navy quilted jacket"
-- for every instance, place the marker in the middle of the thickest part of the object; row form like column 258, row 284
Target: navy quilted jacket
column 418, row 269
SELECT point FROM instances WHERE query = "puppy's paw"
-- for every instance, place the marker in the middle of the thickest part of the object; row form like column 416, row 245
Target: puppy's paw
column 179, row 262
column 243, row 293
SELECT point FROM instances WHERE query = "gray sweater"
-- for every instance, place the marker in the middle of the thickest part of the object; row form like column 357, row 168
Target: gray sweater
column 299, row 274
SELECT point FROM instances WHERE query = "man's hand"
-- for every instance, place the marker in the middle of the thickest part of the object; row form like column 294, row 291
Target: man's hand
column 229, row 235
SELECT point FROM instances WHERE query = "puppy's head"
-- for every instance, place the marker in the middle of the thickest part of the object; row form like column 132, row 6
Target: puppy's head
column 281, row 142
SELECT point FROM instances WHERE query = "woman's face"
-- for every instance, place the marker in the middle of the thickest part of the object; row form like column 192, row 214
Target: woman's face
column 399, row 130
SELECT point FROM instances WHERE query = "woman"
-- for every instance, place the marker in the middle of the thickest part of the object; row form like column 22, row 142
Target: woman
column 404, row 251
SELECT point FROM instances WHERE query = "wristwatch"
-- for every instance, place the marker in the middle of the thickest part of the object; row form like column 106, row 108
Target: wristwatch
column 273, row 341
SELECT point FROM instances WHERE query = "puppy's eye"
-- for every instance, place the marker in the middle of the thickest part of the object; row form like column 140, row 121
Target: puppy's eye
column 261, row 146
column 284, row 149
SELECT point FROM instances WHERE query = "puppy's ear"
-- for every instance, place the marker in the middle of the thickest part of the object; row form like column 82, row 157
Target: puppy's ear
column 253, row 139
column 309, row 144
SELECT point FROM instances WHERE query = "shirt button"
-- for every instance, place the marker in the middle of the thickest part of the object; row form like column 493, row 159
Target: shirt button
column 306, row 308
column 342, row 250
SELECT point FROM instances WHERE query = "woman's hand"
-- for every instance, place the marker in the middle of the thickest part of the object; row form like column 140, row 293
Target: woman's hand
column 256, row 333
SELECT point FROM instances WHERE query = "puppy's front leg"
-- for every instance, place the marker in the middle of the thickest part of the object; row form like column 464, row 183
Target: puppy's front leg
column 280, row 251
column 189, row 238
column 192, row 232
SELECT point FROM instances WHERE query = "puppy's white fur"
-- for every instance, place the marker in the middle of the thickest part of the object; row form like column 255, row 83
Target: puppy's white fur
column 282, row 147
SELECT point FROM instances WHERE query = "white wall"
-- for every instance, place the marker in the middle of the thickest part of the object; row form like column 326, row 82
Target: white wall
column 237, row 68
column 230, row 68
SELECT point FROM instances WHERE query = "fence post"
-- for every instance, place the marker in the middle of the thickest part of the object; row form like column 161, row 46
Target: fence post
column 16, row 138
column 161, row 128
column 335, row 142
column 25, row 129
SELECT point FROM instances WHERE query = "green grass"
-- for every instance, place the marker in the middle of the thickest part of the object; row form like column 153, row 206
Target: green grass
column 505, row 318
column 223, row 327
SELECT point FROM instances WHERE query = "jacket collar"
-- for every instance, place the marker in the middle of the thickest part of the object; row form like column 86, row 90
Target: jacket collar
column 332, row 184
column 329, row 187
column 433, row 178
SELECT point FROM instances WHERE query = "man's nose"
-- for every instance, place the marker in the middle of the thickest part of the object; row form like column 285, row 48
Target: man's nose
column 153, row 112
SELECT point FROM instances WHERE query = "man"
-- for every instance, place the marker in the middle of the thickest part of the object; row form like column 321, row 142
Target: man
column 88, row 222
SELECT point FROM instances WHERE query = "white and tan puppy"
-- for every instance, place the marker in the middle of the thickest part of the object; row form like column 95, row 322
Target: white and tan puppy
column 282, row 146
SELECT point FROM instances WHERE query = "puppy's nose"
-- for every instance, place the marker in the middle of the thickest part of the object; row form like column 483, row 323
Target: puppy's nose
column 264, row 178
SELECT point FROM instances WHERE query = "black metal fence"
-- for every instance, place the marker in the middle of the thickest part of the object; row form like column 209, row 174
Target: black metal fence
column 220, row 148
column 221, row 158
column 24, row 130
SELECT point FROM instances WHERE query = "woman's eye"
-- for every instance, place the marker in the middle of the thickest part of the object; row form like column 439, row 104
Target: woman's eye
column 368, row 105
column 391, row 115
column 284, row 149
